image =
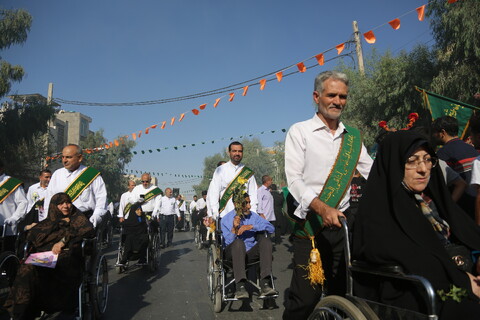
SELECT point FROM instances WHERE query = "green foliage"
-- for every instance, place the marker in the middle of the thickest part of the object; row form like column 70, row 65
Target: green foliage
column 23, row 136
column 455, row 293
column 209, row 166
column 110, row 162
column 14, row 26
column 387, row 91
column 456, row 29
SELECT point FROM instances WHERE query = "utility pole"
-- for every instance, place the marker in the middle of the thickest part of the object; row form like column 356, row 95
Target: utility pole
column 358, row 46
column 50, row 94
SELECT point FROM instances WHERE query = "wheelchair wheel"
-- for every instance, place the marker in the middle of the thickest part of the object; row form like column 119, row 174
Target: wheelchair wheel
column 98, row 287
column 9, row 265
column 214, row 278
column 153, row 252
column 336, row 307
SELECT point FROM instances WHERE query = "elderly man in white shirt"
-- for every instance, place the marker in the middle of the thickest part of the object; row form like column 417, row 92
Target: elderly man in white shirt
column 143, row 190
column 13, row 202
column 222, row 179
column 311, row 150
column 93, row 199
column 166, row 208
column 124, row 201
column 37, row 192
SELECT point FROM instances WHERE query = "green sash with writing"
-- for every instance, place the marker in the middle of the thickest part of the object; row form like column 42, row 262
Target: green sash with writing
column 83, row 180
column 149, row 196
column 337, row 184
column 8, row 187
column 246, row 173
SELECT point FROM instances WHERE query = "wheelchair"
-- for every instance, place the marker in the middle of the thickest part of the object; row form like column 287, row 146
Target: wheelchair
column 357, row 308
column 93, row 290
column 9, row 264
column 153, row 249
column 220, row 280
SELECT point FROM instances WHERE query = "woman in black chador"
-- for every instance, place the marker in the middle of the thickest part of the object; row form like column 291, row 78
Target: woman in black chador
column 407, row 217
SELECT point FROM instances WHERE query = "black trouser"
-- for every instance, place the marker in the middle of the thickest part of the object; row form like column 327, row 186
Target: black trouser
column 276, row 238
column 302, row 296
column 167, row 224
column 262, row 250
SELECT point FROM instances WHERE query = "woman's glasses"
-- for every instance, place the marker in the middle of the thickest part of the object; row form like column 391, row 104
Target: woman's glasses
column 414, row 162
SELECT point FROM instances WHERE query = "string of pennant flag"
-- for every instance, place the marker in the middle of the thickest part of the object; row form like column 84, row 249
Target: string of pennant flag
column 91, row 152
column 235, row 91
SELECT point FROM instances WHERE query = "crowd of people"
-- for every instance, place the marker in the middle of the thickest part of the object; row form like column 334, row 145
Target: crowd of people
column 412, row 206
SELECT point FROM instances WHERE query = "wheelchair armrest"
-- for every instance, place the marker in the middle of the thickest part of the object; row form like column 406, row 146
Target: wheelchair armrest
column 87, row 246
column 365, row 267
column 397, row 272
column 26, row 249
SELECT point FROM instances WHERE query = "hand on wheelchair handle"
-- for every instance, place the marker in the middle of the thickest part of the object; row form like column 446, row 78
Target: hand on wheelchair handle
column 10, row 221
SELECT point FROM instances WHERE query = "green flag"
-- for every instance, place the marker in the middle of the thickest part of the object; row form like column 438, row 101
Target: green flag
column 440, row 106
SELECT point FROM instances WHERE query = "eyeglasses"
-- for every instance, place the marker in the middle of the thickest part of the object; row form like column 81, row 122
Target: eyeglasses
column 145, row 181
column 414, row 162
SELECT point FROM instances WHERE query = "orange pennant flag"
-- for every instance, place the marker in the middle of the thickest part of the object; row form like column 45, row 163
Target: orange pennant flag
column 154, row 126
column 134, row 136
column 245, row 90
column 232, row 95
column 216, row 102
column 301, row 67
column 147, row 130
column 320, row 59
column 195, row 112
column 172, row 121
column 369, row 37
column 163, row 124
column 279, row 76
column 262, row 84
column 203, row 106
column 139, row 134
column 181, row 117
column 395, row 24
column 421, row 12
column 116, row 143
column 340, row 48
column 111, row 144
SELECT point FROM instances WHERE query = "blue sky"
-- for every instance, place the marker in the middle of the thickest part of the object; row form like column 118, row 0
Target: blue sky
column 126, row 51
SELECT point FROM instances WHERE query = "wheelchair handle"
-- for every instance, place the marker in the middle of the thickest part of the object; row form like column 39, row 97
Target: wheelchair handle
column 4, row 229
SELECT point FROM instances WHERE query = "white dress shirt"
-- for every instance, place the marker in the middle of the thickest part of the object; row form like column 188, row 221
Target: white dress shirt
column 193, row 205
column 14, row 207
column 35, row 193
column 222, row 177
column 201, row 204
column 310, row 153
column 94, row 197
column 141, row 190
column 166, row 206
column 123, row 202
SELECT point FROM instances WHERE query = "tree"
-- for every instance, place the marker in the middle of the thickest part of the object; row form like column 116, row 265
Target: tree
column 23, row 137
column 14, row 27
column 387, row 90
column 456, row 29
column 110, row 162
column 209, row 166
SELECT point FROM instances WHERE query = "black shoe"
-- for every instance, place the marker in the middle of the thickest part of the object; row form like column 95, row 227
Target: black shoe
column 267, row 290
column 162, row 246
column 142, row 262
column 241, row 292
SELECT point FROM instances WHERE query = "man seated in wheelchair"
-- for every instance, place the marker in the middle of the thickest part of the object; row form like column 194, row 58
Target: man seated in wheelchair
column 135, row 231
column 37, row 287
column 242, row 244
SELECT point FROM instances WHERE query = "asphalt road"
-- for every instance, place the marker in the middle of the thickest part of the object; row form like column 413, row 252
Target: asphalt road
column 178, row 290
